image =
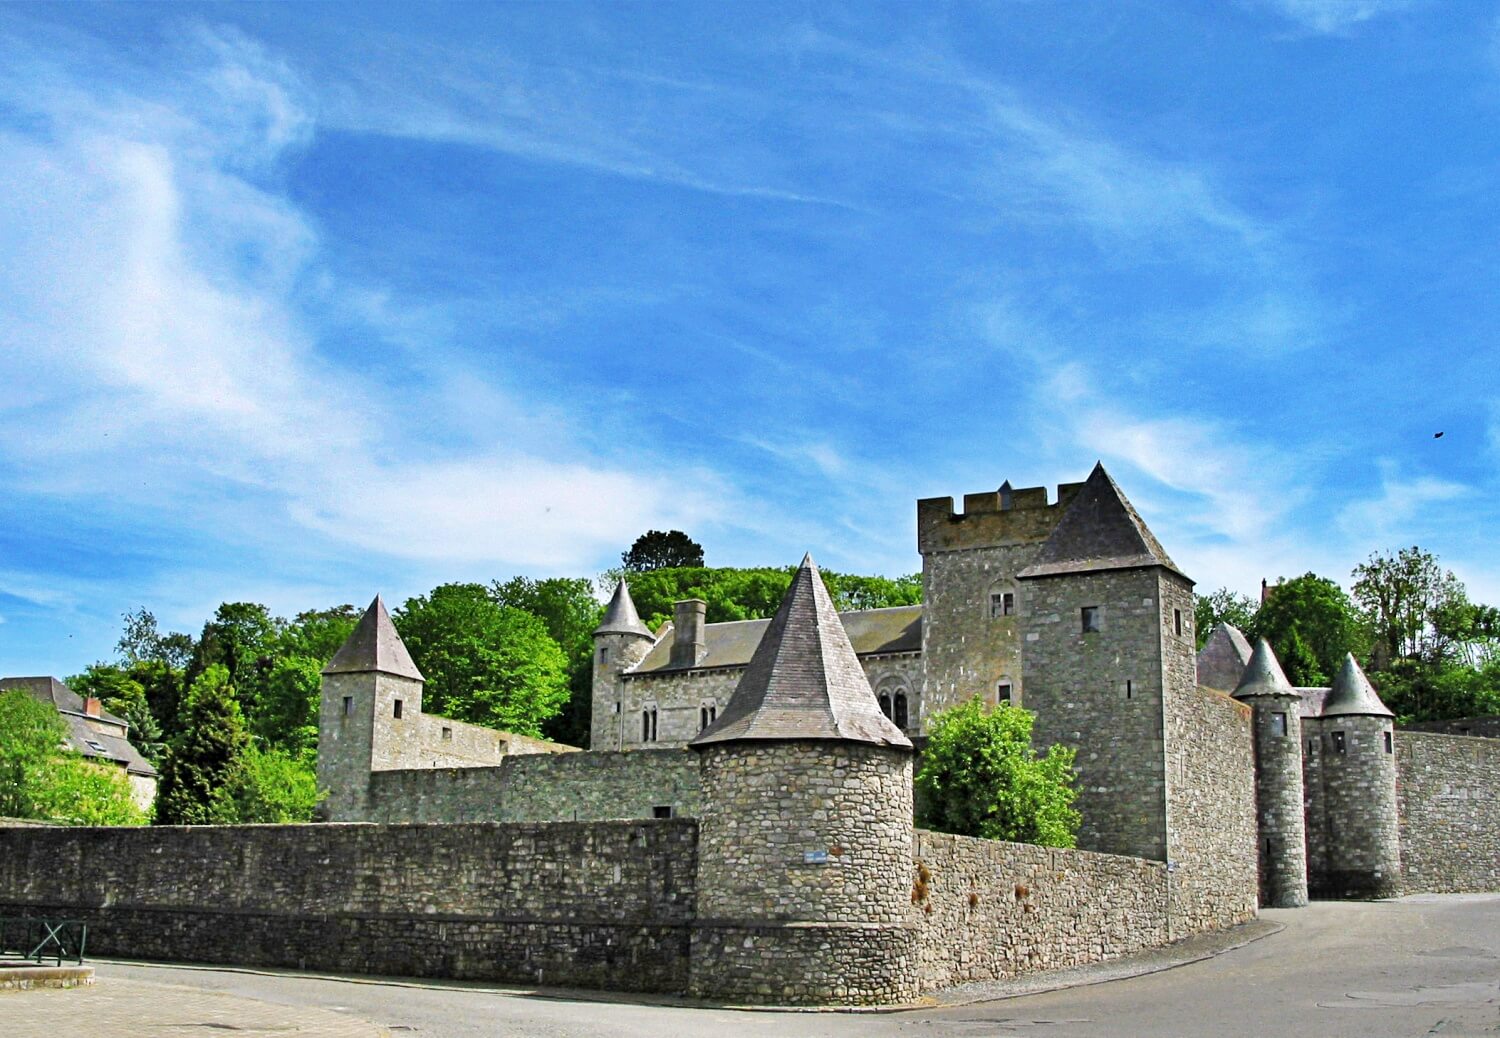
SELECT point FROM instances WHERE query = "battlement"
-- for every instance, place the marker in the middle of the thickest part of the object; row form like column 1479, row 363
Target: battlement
column 1004, row 516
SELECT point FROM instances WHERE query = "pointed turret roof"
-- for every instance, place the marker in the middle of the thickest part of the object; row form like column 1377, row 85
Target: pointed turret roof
column 374, row 646
column 620, row 616
column 1263, row 675
column 1352, row 694
column 1223, row 658
column 1100, row 530
column 804, row 681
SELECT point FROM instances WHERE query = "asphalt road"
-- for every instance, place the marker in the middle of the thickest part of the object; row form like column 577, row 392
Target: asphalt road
column 1420, row 966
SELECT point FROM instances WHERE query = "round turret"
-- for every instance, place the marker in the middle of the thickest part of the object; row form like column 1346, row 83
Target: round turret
column 620, row 642
column 1278, row 779
column 1359, row 791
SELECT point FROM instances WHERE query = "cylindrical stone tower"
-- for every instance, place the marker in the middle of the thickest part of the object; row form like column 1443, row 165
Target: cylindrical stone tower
column 620, row 642
column 804, row 839
column 1359, row 791
column 1281, row 831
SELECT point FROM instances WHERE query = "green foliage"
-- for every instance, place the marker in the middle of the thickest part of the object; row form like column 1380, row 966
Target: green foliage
column 656, row 549
column 241, row 638
column 1312, row 625
column 1402, row 594
column 317, row 633
column 980, row 776
column 202, row 761
column 751, row 594
column 286, row 715
column 145, row 733
column 485, row 663
column 571, row 612
column 41, row 780
column 273, row 786
column 1223, row 606
column 143, row 642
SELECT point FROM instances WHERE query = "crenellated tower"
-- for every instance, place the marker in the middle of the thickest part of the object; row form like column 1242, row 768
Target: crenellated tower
column 620, row 642
column 1282, row 837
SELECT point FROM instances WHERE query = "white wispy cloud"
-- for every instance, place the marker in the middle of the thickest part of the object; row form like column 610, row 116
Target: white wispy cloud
column 1388, row 515
column 1336, row 17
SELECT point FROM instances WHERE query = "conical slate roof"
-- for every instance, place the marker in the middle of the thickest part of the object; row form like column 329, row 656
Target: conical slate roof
column 1100, row 530
column 1352, row 694
column 804, row 681
column 1223, row 658
column 1263, row 675
column 374, row 646
column 620, row 616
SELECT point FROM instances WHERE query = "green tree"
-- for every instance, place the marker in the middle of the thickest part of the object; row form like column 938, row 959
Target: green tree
column 485, row 663
column 1317, row 612
column 1223, row 606
column 754, row 593
column 273, row 786
column 41, row 780
column 571, row 612
column 980, row 776
column 241, row 637
column 286, row 715
column 201, row 765
column 656, row 549
column 317, row 633
column 143, row 641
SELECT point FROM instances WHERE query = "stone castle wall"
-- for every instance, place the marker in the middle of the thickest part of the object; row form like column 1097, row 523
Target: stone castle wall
column 1485, row 727
column 604, row 905
column 1101, row 693
column 541, row 788
column 1361, row 840
column 1211, row 810
column 1448, row 793
column 984, row 909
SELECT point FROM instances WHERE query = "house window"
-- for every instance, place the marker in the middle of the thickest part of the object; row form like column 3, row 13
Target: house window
column 1338, row 742
column 1278, row 724
column 1177, row 621
column 1090, row 619
column 1002, row 603
column 1002, row 692
column 95, row 746
column 1389, row 745
column 898, row 710
column 348, row 706
column 648, row 724
column 447, row 734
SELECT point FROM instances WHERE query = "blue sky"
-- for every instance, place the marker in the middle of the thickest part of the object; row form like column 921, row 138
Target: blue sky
column 301, row 303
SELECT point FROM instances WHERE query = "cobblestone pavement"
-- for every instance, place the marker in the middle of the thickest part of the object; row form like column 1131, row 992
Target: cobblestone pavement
column 121, row 1008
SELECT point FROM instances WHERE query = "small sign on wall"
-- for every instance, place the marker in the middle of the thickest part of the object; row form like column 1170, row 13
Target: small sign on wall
column 815, row 857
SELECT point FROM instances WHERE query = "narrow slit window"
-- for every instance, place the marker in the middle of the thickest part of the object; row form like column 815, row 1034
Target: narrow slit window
column 885, row 704
column 1177, row 621
column 604, row 654
column 396, row 709
column 1390, row 746
column 348, row 706
column 898, row 709
column 1129, row 689
column 1089, row 619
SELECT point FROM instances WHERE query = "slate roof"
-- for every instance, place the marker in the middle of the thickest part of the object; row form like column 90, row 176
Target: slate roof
column 620, row 616
column 1352, row 694
column 1263, row 675
column 374, row 645
column 1100, row 530
column 1223, row 658
column 870, row 631
column 82, row 734
column 804, row 681
column 1312, row 700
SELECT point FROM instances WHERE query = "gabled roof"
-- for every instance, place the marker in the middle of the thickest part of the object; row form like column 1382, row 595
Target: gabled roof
column 1100, row 530
column 82, row 734
column 731, row 644
column 1263, row 676
column 804, row 681
column 57, row 695
column 374, row 646
column 1352, row 694
column 620, row 616
column 1223, row 658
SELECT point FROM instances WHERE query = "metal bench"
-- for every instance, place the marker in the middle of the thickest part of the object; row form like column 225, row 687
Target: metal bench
column 39, row 940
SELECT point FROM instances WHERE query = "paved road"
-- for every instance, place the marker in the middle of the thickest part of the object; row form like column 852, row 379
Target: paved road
column 1421, row 966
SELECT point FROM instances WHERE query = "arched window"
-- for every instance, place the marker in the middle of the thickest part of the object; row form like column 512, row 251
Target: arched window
column 899, row 710
column 708, row 713
column 885, row 704
column 648, row 723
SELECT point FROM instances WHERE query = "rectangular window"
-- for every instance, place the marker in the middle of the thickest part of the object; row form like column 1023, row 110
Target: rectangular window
column 1129, row 689
column 1002, row 603
column 1177, row 621
column 1091, row 620
column 1389, row 745
column 1312, row 746
column 348, row 706
column 1338, row 742
column 648, row 724
column 604, row 654
column 447, row 734
column 1278, row 724
column 662, row 811
column 1003, row 692
column 396, row 710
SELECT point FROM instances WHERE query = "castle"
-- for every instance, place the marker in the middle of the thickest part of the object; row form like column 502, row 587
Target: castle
column 741, row 827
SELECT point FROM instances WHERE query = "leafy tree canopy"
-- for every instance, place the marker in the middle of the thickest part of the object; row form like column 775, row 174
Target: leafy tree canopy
column 980, row 776
column 656, row 549
column 571, row 612
column 750, row 594
column 41, row 780
column 202, row 761
column 274, row 786
column 485, row 663
column 1312, row 624
column 1223, row 606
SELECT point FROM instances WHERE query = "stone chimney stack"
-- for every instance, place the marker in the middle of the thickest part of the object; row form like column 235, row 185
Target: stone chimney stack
column 687, row 632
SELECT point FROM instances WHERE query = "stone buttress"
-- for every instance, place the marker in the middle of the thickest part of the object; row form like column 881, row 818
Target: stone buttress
column 805, row 835
column 1281, row 832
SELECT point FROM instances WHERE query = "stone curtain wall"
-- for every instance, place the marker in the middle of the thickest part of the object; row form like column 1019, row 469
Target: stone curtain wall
column 985, row 909
column 597, row 905
column 1484, row 727
column 1210, row 812
column 542, row 788
column 1448, row 794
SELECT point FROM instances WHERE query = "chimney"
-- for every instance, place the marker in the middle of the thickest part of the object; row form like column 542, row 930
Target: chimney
column 687, row 632
column 1265, row 592
column 91, row 706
